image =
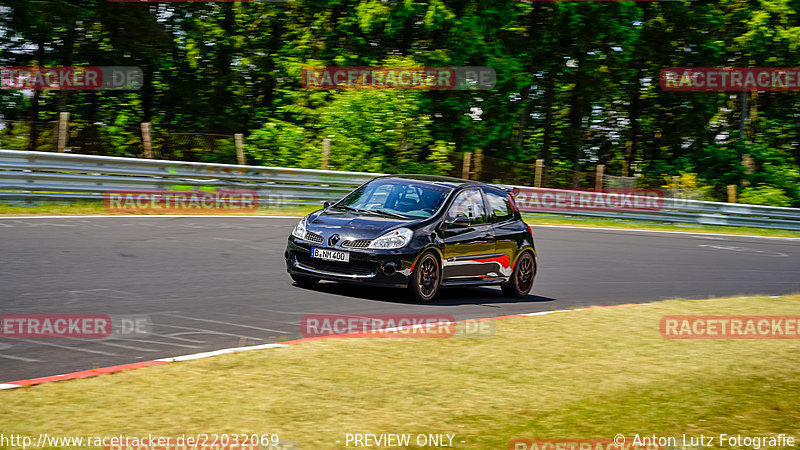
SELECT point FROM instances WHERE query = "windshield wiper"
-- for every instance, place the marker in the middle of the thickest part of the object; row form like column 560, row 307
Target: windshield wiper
column 373, row 211
column 349, row 208
column 389, row 213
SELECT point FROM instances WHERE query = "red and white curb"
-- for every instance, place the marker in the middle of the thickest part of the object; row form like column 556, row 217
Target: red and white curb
column 156, row 362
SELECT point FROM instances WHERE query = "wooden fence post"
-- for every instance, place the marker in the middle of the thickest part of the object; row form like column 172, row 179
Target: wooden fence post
column 598, row 178
column 478, row 166
column 238, row 138
column 61, row 138
column 537, row 175
column 146, row 142
column 466, row 166
column 326, row 153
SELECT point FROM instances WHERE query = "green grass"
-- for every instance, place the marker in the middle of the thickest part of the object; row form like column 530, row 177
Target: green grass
column 580, row 374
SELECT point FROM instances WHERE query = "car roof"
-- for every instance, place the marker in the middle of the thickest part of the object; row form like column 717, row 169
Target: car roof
column 437, row 179
column 451, row 182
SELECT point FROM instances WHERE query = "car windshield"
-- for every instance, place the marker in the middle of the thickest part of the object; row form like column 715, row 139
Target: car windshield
column 397, row 198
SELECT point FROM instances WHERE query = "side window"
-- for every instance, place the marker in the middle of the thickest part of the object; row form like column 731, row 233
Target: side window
column 468, row 204
column 499, row 207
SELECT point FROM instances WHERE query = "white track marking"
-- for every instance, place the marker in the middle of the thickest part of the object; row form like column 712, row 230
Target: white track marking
column 202, row 331
column 162, row 343
column 112, row 344
column 173, row 336
column 19, row 358
column 221, row 352
column 227, row 323
column 50, row 344
column 745, row 250
column 33, row 225
column 544, row 313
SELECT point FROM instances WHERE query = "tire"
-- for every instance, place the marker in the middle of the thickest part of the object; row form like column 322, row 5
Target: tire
column 425, row 280
column 304, row 281
column 521, row 280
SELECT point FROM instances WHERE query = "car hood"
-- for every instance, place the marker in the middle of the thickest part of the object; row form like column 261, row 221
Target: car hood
column 351, row 225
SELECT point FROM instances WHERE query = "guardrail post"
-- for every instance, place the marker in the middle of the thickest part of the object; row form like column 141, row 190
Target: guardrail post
column 598, row 178
column 146, row 142
column 537, row 175
column 326, row 152
column 238, row 138
column 731, row 193
column 61, row 140
column 466, row 165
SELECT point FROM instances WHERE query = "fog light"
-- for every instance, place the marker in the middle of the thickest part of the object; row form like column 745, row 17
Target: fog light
column 390, row 268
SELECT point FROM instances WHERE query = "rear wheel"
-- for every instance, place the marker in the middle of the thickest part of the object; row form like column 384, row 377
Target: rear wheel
column 521, row 280
column 304, row 281
column 424, row 285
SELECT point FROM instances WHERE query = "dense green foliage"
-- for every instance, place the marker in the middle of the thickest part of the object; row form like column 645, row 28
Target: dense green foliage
column 577, row 85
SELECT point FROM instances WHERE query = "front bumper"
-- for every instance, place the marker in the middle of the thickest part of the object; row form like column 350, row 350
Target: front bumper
column 366, row 266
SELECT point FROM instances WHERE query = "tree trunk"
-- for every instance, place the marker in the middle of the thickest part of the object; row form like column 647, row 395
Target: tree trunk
column 34, row 134
column 223, row 71
column 575, row 135
column 549, row 129
column 634, row 112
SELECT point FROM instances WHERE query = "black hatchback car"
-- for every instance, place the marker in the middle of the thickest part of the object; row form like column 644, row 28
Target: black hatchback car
column 417, row 232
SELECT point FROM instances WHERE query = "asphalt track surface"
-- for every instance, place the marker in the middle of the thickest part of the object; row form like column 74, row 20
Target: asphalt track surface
column 209, row 283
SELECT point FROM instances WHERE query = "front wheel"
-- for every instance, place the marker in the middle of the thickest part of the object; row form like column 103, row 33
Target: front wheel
column 304, row 281
column 521, row 280
column 425, row 279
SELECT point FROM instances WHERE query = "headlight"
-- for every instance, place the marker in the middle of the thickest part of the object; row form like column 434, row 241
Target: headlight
column 300, row 229
column 393, row 239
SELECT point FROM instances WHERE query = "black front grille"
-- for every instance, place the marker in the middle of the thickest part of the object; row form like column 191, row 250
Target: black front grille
column 313, row 237
column 354, row 267
column 360, row 243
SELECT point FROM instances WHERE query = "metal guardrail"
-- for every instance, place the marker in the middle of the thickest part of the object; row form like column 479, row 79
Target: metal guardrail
column 682, row 210
column 26, row 177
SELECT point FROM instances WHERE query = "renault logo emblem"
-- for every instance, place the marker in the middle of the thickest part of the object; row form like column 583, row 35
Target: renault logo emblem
column 334, row 239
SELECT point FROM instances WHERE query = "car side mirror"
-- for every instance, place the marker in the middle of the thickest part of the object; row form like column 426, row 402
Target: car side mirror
column 327, row 204
column 458, row 222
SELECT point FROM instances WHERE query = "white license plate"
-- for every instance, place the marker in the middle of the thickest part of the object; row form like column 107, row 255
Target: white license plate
column 330, row 255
